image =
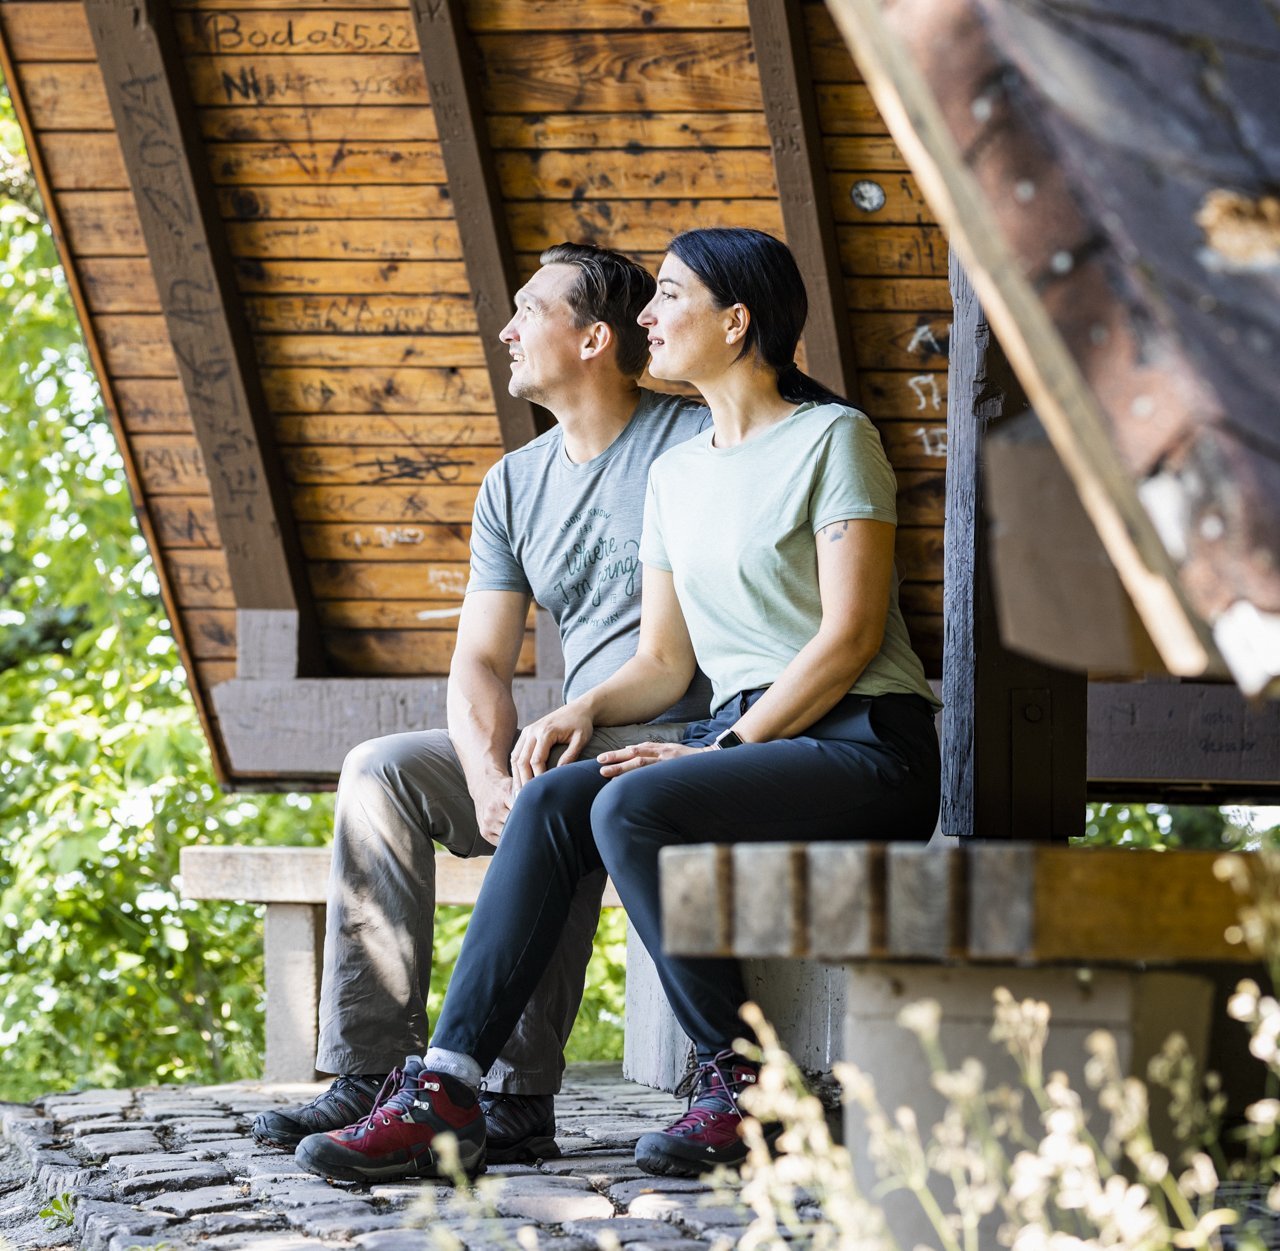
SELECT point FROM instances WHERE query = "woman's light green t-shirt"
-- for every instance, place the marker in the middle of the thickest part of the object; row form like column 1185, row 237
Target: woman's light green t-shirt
column 735, row 527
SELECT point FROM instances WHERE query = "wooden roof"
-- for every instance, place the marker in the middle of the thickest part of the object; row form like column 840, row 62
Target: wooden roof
column 292, row 233
column 1108, row 173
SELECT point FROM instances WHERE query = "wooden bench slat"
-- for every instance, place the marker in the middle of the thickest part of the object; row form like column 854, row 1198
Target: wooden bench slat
column 300, row 875
column 1018, row 903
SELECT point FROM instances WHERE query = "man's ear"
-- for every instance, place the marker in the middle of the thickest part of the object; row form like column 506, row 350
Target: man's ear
column 737, row 320
column 596, row 338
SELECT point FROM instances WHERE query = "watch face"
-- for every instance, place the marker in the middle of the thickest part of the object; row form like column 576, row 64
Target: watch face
column 728, row 739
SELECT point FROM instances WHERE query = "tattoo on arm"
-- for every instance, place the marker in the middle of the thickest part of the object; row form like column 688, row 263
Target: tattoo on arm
column 835, row 535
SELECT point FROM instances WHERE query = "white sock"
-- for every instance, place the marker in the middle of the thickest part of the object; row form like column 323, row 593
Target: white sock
column 455, row 1064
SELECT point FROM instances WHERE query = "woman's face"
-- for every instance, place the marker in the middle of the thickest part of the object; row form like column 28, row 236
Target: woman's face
column 689, row 337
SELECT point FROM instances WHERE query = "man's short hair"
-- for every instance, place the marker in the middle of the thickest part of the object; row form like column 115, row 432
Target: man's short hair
column 610, row 288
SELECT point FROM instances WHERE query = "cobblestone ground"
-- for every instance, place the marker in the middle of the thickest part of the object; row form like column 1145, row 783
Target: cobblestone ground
column 176, row 1167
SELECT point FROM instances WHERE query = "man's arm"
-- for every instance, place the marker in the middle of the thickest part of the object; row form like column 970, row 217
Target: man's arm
column 482, row 710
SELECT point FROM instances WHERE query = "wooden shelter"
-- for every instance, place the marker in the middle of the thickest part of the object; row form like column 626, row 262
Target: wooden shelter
column 293, row 231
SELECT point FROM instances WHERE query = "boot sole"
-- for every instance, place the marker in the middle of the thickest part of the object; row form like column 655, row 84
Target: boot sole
column 425, row 1169
column 527, row 1149
column 658, row 1160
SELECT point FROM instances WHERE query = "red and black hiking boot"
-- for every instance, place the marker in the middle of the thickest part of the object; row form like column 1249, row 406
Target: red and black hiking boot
column 706, row 1136
column 399, row 1136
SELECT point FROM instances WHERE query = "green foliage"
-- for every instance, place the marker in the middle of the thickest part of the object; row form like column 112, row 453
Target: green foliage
column 1163, row 827
column 59, row 1212
column 107, row 976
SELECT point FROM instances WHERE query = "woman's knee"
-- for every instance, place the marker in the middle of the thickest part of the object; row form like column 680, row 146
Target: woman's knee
column 629, row 816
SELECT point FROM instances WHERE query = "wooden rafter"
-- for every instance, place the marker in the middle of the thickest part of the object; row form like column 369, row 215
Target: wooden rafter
column 451, row 64
column 96, row 359
column 156, row 122
column 790, row 107
column 1040, row 261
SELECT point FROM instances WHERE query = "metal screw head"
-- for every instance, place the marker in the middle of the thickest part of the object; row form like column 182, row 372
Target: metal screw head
column 867, row 195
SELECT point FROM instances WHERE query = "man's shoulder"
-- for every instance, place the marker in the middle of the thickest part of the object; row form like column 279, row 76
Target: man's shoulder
column 667, row 420
column 528, row 459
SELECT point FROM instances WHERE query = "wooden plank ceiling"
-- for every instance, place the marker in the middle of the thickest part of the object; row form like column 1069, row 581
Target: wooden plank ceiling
column 612, row 121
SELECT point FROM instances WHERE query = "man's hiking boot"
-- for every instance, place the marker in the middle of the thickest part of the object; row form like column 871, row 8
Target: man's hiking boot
column 520, row 1127
column 707, row 1135
column 398, row 1138
column 344, row 1103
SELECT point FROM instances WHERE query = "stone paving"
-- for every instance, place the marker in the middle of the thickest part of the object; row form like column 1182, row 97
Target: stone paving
column 176, row 1167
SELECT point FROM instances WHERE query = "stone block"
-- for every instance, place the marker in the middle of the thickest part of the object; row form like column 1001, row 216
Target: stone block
column 289, row 1193
column 217, row 1223
column 625, row 1229
column 151, row 1162
column 625, row 1191
column 97, row 1223
column 345, row 1221
column 189, row 1178
column 127, row 1142
column 555, row 1207
column 195, row 1202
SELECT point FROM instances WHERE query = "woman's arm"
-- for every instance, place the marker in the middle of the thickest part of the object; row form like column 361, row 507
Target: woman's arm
column 648, row 684
column 855, row 574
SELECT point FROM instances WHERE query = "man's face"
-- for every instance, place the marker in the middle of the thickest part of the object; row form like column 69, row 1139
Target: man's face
column 541, row 338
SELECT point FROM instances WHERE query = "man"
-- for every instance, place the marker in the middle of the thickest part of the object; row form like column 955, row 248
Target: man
column 557, row 521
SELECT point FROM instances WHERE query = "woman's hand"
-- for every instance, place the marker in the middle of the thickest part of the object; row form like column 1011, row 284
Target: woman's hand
column 628, row 759
column 529, row 757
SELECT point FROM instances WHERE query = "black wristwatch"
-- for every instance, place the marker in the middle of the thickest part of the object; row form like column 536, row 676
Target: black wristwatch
column 726, row 739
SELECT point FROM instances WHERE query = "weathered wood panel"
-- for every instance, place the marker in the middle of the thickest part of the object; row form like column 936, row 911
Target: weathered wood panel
column 151, row 107
column 373, row 349
column 366, row 319
column 635, row 174
column 375, row 430
column 377, row 390
column 403, row 652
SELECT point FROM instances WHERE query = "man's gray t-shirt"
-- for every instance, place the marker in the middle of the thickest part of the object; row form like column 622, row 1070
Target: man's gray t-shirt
column 569, row 535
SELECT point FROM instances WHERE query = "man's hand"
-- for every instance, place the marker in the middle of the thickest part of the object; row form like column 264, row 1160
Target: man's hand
column 530, row 756
column 628, row 759
column 493, row 805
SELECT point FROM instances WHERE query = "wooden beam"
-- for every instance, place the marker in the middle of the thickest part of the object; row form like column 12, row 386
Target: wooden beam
column 1014, row 728
column 299, row 730
column 157, row 125
column 943, row 149
column 1023, row 903
column 453, row 70
column 1184, row 741
column 791, row 111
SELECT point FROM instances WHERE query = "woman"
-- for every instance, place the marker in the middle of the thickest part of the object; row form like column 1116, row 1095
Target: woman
column 768, row 546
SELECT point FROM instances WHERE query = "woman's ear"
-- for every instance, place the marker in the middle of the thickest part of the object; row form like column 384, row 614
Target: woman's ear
column 737, row 321
column 597, row 338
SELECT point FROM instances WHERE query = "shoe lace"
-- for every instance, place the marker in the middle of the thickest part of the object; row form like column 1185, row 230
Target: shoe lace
column 391, row 1096
column 702, row 1082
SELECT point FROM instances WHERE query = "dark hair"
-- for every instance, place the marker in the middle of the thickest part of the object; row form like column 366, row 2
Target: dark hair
column 742, row 266
column 610, row 288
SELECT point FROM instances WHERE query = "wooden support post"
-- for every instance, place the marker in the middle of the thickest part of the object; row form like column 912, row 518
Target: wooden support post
column 158, row 127
column 790, row 109
column 1013, row 729
column 453, row 72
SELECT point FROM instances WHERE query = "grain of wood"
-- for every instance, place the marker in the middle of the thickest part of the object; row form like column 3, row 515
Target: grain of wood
column 426, row 390
column 905, row 251
column 372, row 543
column 713, row 132
column 369, row 349
column 364, row 278
column 372, row 430
column 454, row 464
column 344, row 240
column 153, row 406
column 618, row 71
column 402, row 581
column 137, row 346
column 318, row 202
column 394, row 505
column 358, row 322
column 403, row 653
column 870, row 198
column 642, row 175
column 270, row 123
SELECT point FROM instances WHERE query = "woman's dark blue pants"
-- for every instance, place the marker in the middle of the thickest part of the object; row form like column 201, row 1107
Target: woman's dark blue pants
column 868, row 770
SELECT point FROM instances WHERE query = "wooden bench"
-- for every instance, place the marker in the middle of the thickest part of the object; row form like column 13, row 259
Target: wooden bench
column 1111, row 939
column 293, row 883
